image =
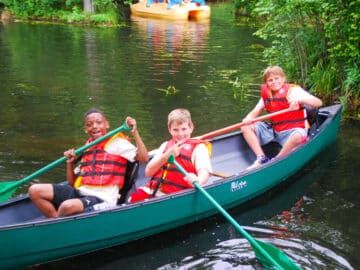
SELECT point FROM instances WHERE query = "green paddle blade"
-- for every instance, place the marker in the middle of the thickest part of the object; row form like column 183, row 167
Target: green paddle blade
column 276, row 254
column 270, row 256
column 7, row 189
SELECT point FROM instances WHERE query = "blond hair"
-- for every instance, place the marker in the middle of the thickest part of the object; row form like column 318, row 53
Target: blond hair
column 273, row 70
column 180, row 116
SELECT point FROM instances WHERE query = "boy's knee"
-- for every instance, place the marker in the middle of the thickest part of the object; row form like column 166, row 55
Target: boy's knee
column 70, row 207
column 297, row 138
column 35, row 191
column 67, row 205
column 247, row 128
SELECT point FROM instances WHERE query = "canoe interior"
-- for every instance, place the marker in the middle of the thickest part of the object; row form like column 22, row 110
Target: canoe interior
column 23, row 227
column 230, row 156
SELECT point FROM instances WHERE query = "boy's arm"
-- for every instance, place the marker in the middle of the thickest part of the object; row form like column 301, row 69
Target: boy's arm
column 202, row 163
column 142, row 154
column 255, row 112
column 70, row 175
column 161, row 158
column 300, row 96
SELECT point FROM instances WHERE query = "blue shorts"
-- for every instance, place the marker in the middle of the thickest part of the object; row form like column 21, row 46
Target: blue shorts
column 65, row 192
column 266, row 133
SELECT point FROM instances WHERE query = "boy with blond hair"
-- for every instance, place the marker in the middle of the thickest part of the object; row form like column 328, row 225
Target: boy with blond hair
column 192, row 154
column 288, row 129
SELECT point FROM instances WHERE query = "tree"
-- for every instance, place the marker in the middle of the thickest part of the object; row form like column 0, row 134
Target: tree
column 317, row 42
column 89, row 6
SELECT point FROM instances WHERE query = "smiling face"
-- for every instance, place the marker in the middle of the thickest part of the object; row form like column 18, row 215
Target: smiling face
column 275, row 81
column 95, row 125
column 180, row 130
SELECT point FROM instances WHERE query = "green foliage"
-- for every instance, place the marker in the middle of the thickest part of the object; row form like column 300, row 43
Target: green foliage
column 71, row 3
column 28, row 8
column 103, row 5
column 317, row 42
column 67, row 11
column 76, row 16
column 245, row 7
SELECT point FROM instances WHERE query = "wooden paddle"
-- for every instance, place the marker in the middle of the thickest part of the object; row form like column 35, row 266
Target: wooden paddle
column 239, row 125
column 268, row 255
column 7, row 189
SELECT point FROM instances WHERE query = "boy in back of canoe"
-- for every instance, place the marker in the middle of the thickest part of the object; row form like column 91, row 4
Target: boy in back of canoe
column 95, row 183
column 288, row 129
column 192, row 154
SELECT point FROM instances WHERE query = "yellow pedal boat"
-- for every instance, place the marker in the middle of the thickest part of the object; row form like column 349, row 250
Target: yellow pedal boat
column 171, row 10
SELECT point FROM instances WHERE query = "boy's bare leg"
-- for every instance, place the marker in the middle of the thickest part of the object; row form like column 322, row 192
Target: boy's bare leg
column 71, row 207
column 294, row 140
column 41, row 195
column 252, row 140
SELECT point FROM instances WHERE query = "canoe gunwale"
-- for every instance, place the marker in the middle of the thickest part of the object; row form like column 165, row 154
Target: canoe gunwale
column 124, row 213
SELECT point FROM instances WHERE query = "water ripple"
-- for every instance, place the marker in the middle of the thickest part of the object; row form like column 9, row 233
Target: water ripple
column 238, row 254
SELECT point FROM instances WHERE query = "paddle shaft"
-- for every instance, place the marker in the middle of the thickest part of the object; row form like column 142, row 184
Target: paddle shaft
column 239, row 125
column 252, row 241
column 63, row 159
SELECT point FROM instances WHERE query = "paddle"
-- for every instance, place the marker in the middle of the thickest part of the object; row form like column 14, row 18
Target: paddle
column 268, row 255
column 7, row 189
column 239, row 125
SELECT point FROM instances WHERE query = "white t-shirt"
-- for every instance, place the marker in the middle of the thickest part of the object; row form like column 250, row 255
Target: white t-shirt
column 110, row 194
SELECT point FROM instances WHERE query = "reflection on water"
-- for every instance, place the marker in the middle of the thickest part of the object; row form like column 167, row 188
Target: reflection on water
column 177, row 41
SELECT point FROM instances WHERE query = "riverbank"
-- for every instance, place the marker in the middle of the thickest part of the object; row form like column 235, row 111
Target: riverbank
column 112, row 17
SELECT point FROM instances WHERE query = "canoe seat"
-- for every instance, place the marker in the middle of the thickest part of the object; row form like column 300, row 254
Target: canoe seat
column 313, row 119
column 312, row 114
column 132, row 169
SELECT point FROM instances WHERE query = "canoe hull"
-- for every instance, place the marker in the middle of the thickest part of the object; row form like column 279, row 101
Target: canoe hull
column 30, row 241
column 160, row 11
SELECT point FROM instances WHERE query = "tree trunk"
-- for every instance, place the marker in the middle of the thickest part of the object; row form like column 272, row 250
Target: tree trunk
column 89, row 6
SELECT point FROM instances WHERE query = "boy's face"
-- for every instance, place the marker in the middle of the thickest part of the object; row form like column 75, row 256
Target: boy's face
column 95, row 125
column 275, row 82
column 180, row 131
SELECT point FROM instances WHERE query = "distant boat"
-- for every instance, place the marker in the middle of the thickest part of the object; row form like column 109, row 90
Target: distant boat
column 171, row 9
column 28, row 238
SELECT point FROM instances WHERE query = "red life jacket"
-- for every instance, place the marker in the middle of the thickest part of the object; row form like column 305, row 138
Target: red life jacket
column 276, row 101
column 169, row 179
column 99, row 168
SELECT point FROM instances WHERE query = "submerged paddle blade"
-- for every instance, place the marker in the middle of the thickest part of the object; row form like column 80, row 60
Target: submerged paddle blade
column 276, row 254
column 270, row 256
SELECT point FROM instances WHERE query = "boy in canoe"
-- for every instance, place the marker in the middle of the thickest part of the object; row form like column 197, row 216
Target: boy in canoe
column 288, row 129
column 192, row 154
column 95, row 183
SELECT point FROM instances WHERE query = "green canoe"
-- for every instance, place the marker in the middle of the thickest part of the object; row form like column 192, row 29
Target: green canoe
column 27, row 238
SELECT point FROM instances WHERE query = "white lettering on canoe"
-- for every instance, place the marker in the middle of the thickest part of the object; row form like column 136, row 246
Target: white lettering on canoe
column 238, row 185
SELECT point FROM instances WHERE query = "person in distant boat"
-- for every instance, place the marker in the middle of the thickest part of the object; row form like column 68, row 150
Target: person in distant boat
column 288, row 129
column 192, row 154
column 95, row 183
